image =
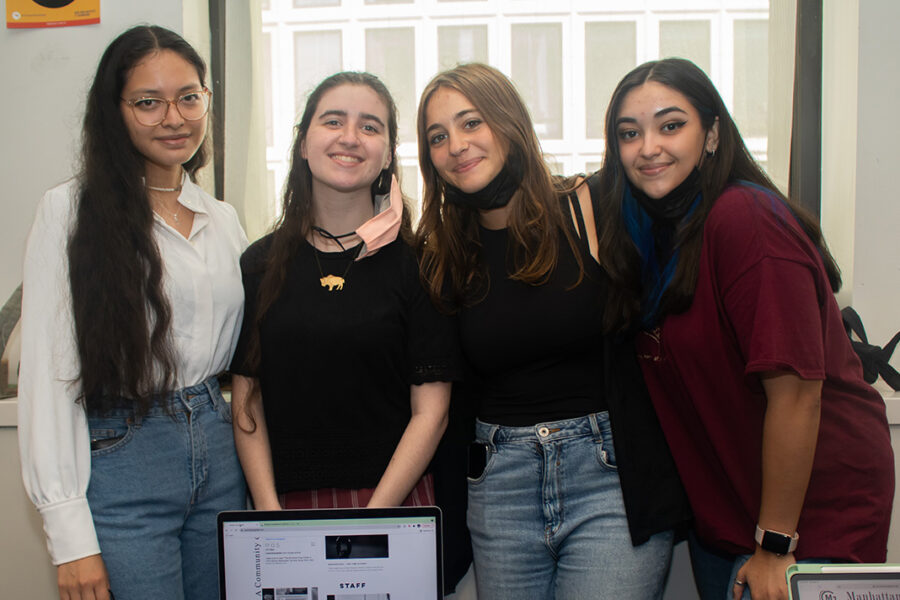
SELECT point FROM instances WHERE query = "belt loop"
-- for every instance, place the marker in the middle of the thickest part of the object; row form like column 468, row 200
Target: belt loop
column 492, row 437
column 136, row 414
column 212, row 390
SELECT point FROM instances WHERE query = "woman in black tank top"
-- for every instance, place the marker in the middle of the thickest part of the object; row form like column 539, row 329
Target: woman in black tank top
column 555, row 509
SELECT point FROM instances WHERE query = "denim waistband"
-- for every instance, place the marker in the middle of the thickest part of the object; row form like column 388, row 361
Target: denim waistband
column 186, row 399
column 551, row 431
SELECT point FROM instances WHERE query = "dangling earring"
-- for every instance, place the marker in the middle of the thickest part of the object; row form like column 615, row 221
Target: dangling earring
column 711, row 153
column 383, row 183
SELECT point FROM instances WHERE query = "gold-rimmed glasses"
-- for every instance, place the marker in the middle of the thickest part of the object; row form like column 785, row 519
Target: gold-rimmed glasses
column 150, row 111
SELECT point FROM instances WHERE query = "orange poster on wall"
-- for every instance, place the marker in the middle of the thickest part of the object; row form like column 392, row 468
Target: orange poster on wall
column 51, row 13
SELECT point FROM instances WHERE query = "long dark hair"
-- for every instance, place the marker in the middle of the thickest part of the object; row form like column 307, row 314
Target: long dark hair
column 122, row 315
column 447, row 235
column 294, row 225
column 731, row 162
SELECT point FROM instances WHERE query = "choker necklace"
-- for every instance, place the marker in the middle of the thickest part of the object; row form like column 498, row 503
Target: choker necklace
column 334, row 283
column 162, row 189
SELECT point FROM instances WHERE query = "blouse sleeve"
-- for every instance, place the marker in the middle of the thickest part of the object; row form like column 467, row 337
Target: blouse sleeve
column 54, row 443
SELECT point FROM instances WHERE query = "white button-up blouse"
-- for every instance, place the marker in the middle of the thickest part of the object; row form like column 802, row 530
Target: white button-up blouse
column 203, row 283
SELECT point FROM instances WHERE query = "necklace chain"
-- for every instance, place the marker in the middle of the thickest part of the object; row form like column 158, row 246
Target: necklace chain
column 334, row 283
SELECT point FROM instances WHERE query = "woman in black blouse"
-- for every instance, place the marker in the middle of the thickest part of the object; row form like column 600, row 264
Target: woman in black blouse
column 546, row 508
column 343, row 365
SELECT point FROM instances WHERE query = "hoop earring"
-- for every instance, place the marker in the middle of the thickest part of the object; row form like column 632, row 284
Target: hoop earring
column 711, row 153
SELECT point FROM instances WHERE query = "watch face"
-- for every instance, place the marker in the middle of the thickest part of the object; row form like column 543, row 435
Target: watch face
column 775, row 542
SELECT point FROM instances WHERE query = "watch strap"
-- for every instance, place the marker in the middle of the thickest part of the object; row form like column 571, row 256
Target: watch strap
column 776, row 541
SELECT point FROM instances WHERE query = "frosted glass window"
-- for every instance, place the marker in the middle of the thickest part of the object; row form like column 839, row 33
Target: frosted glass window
column 686, row 39
column 267, row 86
column 555, row 167
column 312, row 3
column 591, row 166
column 610, row 51
column 265, row 5
column 409, row 185
column 751, row 76
column 537, row 71
column 389, row 1
column 461, row 44
column 317, row 54
column 391, row 55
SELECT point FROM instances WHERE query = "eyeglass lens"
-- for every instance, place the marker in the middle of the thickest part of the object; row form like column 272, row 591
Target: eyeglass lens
column 152, row 111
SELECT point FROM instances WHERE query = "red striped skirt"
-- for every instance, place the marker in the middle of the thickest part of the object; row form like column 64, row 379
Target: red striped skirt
column 421, row 495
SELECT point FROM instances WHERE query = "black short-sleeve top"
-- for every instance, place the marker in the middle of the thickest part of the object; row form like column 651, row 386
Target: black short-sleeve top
column 336, row 365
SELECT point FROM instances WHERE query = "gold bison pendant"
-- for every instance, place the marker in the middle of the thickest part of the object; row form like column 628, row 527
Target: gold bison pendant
column 332, row 282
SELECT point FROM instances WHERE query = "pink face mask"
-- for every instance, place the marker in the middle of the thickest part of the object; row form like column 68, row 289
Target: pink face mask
column 382, row 229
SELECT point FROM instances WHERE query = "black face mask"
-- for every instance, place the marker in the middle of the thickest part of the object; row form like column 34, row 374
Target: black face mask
column 496, row 194
column 674, row 205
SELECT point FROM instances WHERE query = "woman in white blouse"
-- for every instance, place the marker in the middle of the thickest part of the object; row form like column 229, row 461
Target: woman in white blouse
column 132, row 297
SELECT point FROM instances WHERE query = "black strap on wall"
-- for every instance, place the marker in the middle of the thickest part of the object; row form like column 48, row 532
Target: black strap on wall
column 217, row 74
column 805, row 178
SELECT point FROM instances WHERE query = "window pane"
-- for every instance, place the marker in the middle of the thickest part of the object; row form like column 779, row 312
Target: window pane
column 686, row 39
column 461, row 44
column 592, row 166
column 751, row 76
column 391, row 55
column 317, row 54
column 267, row 86
column 537, row 71
column 409, row 185
column 610, row 51
column 389, row 1
column 310, row 3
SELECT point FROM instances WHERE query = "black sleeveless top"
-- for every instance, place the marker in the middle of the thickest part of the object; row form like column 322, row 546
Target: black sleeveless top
column 536, row 350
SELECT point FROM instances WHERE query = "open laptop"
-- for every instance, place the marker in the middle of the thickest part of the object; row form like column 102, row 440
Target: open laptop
column 333, row 554
column 843, row 581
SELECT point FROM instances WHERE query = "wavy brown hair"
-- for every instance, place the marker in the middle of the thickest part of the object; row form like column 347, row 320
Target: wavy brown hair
column 122, row 315
column 447, row 235
column 731, row 162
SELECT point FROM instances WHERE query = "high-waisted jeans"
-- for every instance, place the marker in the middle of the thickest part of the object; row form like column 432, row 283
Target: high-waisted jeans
column 157, row 483
column 547, row 517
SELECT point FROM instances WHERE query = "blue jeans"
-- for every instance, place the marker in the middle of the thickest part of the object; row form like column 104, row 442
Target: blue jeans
column 156, row 485
column 715, row 571
column 548, row 521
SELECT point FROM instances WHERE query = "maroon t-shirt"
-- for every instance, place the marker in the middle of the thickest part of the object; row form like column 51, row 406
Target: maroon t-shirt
column 763, row 303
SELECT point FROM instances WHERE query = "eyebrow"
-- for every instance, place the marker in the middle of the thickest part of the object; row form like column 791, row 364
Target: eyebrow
column 455, row 117
column 660, row 113
column 343, row 113
column 153, row 92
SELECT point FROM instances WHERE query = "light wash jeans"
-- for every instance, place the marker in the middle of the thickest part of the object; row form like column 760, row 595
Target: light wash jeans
column 548, row 521
column 154, row 494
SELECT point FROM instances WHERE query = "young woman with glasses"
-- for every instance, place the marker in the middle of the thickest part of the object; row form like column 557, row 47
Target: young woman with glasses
column 343, row 367
column 132, row 301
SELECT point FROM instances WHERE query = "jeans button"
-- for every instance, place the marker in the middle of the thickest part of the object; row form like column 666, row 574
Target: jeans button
column 543, row 432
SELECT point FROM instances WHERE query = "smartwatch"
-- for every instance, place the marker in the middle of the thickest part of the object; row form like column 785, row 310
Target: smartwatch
column 775, row 541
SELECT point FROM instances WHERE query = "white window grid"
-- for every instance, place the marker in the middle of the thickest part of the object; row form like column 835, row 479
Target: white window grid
column 574, row 152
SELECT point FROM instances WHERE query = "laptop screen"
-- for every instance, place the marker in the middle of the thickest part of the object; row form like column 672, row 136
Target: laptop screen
column 845, row 586
column 335, row 554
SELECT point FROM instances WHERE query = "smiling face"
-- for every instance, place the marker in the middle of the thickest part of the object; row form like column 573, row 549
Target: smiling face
column 171, row 143
column 347, row 143
column 462, row 147
column 661, row 138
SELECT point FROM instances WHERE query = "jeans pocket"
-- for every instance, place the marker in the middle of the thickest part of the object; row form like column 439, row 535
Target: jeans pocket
column 489, row 455
column 106, row 439
column 606, row 451
column 223, row 408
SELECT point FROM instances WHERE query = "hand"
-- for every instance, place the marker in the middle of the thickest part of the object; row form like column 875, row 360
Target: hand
column 83, row 579
column 764, row 576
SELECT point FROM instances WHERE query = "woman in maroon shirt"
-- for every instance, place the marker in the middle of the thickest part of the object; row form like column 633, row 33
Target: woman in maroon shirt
column 783, row 449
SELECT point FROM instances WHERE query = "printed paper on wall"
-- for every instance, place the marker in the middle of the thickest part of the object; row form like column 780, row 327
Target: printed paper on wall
column 51, row 13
